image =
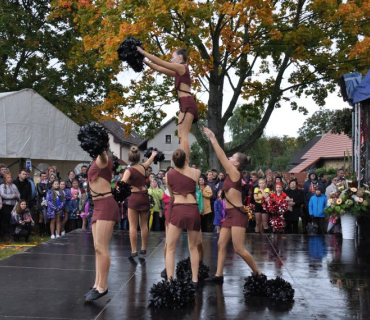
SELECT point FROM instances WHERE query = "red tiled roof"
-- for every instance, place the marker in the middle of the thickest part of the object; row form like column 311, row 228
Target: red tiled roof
column 330, row 146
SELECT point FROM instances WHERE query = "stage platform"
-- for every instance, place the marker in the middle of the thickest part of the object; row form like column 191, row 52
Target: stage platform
column 331, row 279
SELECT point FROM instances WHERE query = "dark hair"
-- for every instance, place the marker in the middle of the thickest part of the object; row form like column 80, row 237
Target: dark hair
column 183, row 53
column 25, row 170
column 42, row 172
column 73, row 180
column 83, row 166
column 179, row 157
column 293, row 180
column 322, row 174
column 18, row 207
column 71, row 171
column 3, row 166
column 243, row 160
column 134, row 155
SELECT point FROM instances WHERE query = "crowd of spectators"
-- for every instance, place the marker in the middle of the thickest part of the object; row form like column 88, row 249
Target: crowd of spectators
column 60, row 206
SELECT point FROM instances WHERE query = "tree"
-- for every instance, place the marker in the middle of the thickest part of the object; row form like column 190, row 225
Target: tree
column 266, row 51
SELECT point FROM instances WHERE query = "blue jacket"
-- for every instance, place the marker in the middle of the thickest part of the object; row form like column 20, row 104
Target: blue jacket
column 317, row 205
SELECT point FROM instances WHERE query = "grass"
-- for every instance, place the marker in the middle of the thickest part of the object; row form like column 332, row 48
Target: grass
column 10, row 248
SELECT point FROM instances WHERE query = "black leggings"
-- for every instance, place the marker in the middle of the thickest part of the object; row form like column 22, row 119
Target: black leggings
column 5, row 214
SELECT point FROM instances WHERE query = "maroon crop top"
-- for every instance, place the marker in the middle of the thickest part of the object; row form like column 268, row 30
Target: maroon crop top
column 228, row 184
column 185, row 78
column 137, row 179
column 180, row 183
column 105, row 173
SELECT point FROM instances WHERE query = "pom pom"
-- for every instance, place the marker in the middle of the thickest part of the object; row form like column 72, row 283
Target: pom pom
column 173, row 294
column 279, row 289
column 127, row 52
column 183, row 270
column 122, row 191
column 158, row 158
column 94, row 139
column 255, row 285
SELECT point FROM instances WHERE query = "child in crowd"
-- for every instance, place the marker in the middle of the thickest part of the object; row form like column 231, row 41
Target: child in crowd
column 85, row 210
column 123, row 224
column 316, row 208
column 74, row 211
column 220, row 211
column 56, row 200
column 22, row 221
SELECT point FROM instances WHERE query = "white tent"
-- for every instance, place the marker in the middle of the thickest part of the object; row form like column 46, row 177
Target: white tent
column 32, row 128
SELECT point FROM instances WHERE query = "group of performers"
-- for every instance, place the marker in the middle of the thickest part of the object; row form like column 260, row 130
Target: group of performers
column 183, row 210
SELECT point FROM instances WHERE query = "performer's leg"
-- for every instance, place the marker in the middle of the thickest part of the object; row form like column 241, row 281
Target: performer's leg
column 183, row 131
column 225, row 235
column 97, row 274
column 238, row 238
column 133, row 217
column 143, row 220
column 104, row 230
column 173, row 236
column 194, row 255
column 258, row 216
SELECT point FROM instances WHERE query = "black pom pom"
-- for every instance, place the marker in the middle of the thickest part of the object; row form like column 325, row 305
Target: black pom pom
column 255, row 285
column 127, row 52
column 173, row 294
column 279, row 289
column 158, row 158
column 122, row 191
column 183, row 270
column 94, row 139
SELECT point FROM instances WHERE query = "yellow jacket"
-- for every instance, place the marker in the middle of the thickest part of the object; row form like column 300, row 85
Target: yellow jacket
column 207, row 194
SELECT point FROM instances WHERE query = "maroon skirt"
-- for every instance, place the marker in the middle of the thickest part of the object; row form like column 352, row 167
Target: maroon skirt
column 139, row 201
column 234, row 218
column 188, row 104
column 185, row 216
column 105, row 209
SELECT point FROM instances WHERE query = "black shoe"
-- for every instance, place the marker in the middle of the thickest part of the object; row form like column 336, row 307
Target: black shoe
column 195, row 284
column 133, row 255
column 215, row 279
column 91, row 289
column 94, row 295
column 164, row 273
column 142, row 252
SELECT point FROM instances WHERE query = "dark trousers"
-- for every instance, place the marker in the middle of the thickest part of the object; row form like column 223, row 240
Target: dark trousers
column 156, row 225
column 305, row 219
column 5, row 214
column 206, row 222
column 291, row 227
column 321, row 223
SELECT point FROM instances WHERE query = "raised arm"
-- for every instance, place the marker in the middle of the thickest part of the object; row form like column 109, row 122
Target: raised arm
column 160, row 69
column 102, row 160
column 175, row 67
column 230, row 169
column 147, row 163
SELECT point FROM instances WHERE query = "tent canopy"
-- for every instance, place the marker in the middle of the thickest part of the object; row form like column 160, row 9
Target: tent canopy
column 31, row 127
column 362, row 91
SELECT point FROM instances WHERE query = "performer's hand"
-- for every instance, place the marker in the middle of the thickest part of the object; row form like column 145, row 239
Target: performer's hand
column 154, row 153
column 140, row 50
column 208, row 133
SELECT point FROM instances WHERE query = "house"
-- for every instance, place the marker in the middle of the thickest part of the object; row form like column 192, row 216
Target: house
column 166, row 141
column 36, row 133
column 120, row 143
column 329, row 150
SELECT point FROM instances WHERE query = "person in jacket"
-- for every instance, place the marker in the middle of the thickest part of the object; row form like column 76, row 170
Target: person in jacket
column 67, row 197
column 157, row 195
column 316, row 208
column 22, row 221
column 10, row 195
column 294, row 207
column 220, row 211
column 24, row 186
column 309, row 188
column 332, row 187
column 206, row 217
column 42, row 189
column 56, row 200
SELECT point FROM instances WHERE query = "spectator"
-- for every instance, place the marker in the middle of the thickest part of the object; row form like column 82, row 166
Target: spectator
column 219, row 181
column 42, row 189
column 151, row 177
column 270, row 182
column 294, row 207
column 86, row 206
column 10, row 195
column 49, row 171
column 317, row 205
column 75, row 186
column 220, row 211
column 24, row 186
column 215, row 175
column 33, row 188
column 22, row 221
column 261, row 194
column 160, row 177
column 207, row 216
column 73, row 211
column 52, row 178
column 3, row 170
column 123, row 223
column 332, row 187
column 68, row 197
column 56, row 201
column 82, row 176
column 323, row 178
column 71, row 177
column 341, row 178
column 157, row 195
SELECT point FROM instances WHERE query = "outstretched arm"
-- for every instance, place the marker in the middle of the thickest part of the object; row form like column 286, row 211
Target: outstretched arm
column 102, row 160
column 174, row 67
column 230, row 169
column 150, row 160
column 156, row 67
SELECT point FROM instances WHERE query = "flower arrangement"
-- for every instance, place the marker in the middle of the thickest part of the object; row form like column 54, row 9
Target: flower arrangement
column 351, row 201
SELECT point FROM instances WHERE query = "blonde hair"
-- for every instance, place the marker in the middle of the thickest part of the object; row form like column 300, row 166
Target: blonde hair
column 134, row 155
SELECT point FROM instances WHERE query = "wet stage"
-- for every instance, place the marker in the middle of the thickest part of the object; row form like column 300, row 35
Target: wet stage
column 331, row 279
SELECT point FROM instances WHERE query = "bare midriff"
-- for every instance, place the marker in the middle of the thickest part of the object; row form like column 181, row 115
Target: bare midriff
column 234, row 196
column 100, row 185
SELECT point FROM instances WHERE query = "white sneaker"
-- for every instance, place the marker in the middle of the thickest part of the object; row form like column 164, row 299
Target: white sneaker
column 63, row 233
column 58, row 236
column 52, row 237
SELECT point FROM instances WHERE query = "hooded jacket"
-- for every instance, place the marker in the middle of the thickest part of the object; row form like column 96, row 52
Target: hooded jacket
column 317, row 205
column 309, row 187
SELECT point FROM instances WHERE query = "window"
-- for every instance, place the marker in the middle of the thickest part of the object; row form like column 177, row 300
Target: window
column 168, row 138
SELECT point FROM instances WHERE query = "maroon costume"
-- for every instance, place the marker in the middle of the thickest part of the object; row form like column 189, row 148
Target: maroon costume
column 187, row 104
column 105, row 208
column 237, row 216
column 138, row 200
column 183, row 215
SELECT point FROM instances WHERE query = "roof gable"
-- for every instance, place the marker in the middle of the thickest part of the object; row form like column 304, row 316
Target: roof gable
column 116, row 129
